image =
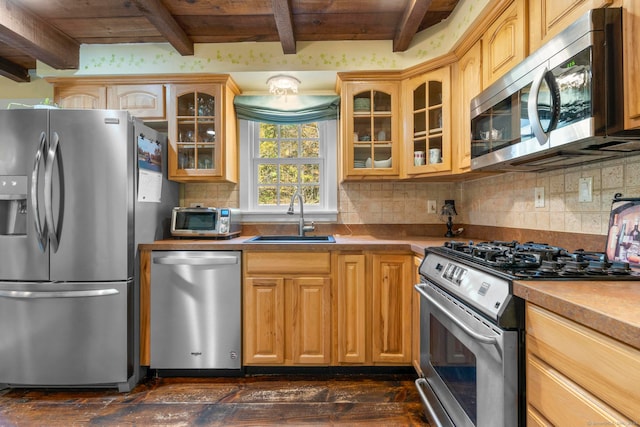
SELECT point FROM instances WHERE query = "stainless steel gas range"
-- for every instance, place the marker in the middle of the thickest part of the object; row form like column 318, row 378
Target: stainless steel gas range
column 472, row 326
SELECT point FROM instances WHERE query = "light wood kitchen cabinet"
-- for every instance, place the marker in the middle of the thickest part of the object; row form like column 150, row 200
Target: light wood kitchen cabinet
column 203, row 144
column 427, row 124
column 391, row 308
column 505, row 42
column 370, row 130
column 467, row 77
column 287, row 308
column 80, row 96
column 547, row 18
column 415, row 318
column 145, row 101
column 373, row 308
column 142, row 101
column 578, row 376
column 350, row 302
column 631, row 36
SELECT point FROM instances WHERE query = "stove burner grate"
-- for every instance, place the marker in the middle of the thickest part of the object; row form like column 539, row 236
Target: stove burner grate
column 538, row 260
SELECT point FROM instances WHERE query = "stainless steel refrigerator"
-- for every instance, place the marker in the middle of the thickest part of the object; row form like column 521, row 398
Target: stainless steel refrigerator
column 70, row 222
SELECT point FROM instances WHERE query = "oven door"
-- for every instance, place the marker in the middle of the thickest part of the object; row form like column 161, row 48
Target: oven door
column 470, row 367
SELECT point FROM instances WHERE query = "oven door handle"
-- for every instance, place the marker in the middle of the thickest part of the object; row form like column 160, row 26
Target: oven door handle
column 473, row 334
column 421, row 386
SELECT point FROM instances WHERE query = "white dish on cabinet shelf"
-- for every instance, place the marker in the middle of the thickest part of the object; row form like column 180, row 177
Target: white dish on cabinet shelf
column 379, row 163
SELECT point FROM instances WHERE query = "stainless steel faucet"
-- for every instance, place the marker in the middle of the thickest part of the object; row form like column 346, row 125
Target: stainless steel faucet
column 302, row 227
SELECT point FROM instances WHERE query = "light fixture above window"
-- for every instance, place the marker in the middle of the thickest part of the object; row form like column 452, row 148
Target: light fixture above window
column 282, row 85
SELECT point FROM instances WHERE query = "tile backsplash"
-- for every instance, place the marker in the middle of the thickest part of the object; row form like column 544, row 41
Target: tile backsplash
column 508, row 200
column 503, row 200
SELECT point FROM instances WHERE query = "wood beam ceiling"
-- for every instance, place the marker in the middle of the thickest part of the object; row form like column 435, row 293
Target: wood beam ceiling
column 164, row 22
column 14, row 71
column 284, row 23
column 27, row 33
column 413, row 16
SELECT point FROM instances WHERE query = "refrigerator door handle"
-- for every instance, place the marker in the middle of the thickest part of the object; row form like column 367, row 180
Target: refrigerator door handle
column 52, row 158
column 41, row 230
column 57, row 294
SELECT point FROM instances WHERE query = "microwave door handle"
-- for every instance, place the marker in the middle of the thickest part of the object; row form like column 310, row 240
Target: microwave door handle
column 48, row 190
column 473, row 334
column 532, row 108
column 41, row 231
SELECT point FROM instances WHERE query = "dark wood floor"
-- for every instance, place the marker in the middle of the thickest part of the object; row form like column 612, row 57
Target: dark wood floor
column 248, row 401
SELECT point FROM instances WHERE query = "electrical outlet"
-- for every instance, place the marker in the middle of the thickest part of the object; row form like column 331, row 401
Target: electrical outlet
column 431, row 207
column 539, row 197
column 585, row 189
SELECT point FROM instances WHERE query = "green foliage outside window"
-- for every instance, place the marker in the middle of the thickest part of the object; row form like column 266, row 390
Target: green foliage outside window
column 288, row 159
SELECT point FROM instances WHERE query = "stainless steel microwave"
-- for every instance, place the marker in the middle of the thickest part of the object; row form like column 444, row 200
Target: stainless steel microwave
column 562, row 106
column 205, row 222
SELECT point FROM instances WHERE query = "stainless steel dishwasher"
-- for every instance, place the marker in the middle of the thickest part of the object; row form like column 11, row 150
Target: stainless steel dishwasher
column 195, row 310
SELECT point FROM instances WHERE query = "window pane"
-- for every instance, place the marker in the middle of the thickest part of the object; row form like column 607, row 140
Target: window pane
column 311, row 194
column 268, row 130
column 310, row 173
column 267, row 195
column 288, row 131
column 288, row 174
column 268, row 149
column 310, row 130
column 289, row 149
column 267, row 174
column 286, row 191
column 310, row 148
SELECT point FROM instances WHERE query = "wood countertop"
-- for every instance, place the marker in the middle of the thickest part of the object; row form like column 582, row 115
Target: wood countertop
column 343, row 243
column 610, row 307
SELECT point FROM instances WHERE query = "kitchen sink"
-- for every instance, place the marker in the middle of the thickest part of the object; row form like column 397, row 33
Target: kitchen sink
column 291, row 239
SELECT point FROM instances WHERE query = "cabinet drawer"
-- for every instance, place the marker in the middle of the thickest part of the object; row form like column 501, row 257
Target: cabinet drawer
column 607, row 368
column 562, row 402
column 287, row 262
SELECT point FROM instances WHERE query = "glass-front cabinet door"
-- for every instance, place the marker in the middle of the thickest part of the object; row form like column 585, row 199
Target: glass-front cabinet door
column 370, row 129
column 428, row 126
column 196, row 131
column 202, row 130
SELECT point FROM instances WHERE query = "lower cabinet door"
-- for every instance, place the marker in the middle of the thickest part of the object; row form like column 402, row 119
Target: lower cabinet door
column 263, row 320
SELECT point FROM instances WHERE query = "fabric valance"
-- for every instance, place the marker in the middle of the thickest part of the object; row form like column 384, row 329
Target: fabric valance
column 287, row 109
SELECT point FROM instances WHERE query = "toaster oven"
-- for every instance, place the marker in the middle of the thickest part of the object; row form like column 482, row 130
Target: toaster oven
column 205, row 222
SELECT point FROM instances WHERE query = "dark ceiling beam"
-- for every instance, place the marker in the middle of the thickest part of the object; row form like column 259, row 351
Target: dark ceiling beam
column 284, row 23
column 164, row 22
column 410, row 23
column 13, row 71
column 31, row 35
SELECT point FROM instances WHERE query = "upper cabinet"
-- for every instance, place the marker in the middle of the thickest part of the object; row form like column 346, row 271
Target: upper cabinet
column 631, row 36
column 504, row 43
column 467, row 77
column 548, row 17
column 80, row 96
column 145, row 101
column 203, row 142
column 370, row 129
column 427, row 122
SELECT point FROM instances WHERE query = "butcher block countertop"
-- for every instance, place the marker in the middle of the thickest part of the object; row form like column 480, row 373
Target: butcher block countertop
column 610, row 307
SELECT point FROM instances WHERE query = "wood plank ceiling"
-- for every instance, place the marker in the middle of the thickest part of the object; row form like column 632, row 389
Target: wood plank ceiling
column 52, row 31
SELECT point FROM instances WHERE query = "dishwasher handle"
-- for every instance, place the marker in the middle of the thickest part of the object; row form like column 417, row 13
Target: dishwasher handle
column 196, row 260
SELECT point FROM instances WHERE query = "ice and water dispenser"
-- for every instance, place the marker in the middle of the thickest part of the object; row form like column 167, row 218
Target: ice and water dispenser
column 13, row 205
